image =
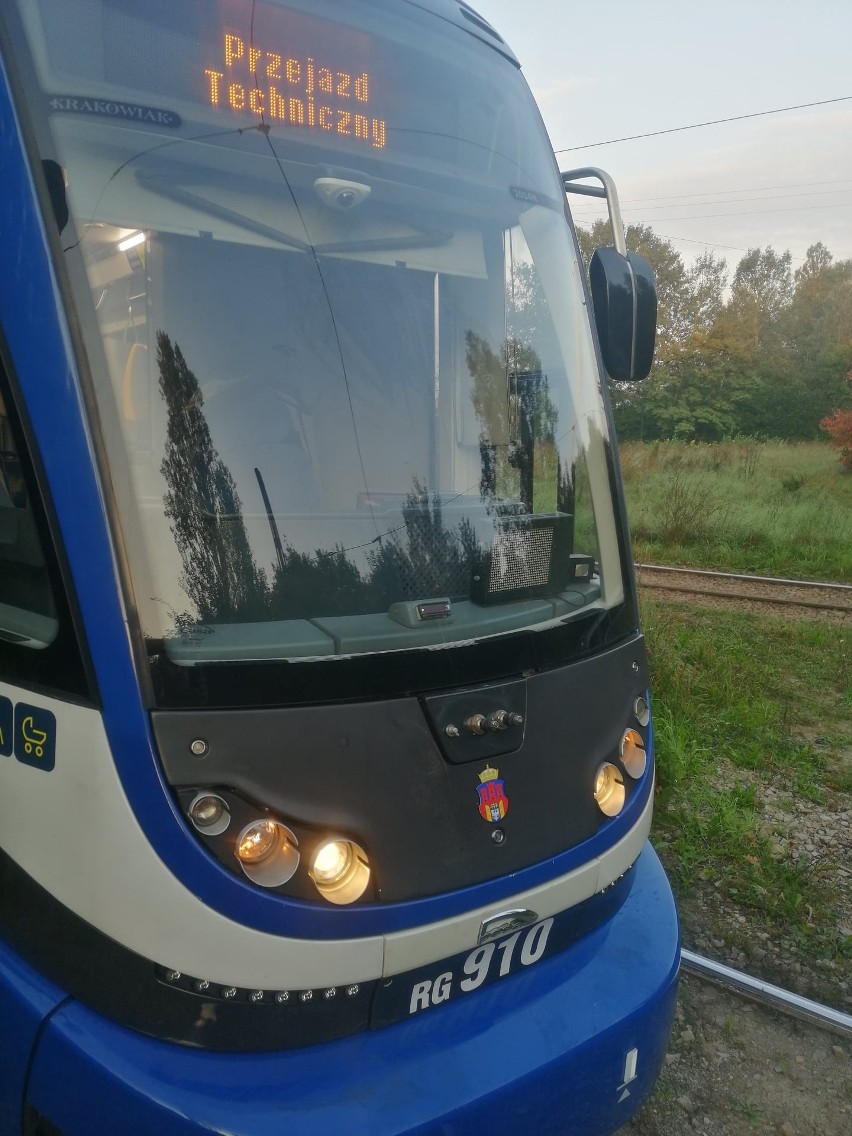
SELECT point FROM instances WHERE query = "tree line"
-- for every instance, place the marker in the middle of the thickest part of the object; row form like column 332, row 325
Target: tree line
column 765, row 351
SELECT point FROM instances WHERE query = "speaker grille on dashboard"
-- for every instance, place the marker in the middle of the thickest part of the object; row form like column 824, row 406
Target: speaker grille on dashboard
column 529, row 556
column 520, row 559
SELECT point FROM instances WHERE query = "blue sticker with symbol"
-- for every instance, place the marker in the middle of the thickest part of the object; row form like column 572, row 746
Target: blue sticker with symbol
column 35, row 736
column 6, row 727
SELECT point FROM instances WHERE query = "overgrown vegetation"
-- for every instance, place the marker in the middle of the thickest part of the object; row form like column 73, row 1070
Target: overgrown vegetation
column 764, row 350
column 748, row 708
column 838, row 426
column 779, row 509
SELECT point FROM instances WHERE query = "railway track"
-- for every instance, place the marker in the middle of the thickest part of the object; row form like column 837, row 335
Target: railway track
column 745, row 1056
column 812, row 598
column 766, row 994
column 821, row 600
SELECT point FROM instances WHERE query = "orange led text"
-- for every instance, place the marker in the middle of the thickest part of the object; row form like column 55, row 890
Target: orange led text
column 297, row 91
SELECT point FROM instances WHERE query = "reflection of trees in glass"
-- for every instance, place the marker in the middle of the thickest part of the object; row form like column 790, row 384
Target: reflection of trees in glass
column 518, row 420
column 319, row 584
column 491, row 404
column 528, row 316
column 428, row 558
column 427, row 551
column 422, row 557
column 202, row 503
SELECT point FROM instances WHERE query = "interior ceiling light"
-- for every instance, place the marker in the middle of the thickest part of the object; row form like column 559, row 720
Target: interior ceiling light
column 131, row 242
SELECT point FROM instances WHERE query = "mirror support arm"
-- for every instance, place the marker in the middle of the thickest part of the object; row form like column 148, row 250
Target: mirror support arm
column 606, row 190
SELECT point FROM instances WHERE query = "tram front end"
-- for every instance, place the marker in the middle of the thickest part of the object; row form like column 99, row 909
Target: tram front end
column 326, row 753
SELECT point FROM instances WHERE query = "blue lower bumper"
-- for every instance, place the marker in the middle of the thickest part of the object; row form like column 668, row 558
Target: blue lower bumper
column 549, row 1051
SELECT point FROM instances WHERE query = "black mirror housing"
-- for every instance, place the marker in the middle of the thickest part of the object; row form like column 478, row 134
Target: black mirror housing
column 55, row 180
column 624, row 298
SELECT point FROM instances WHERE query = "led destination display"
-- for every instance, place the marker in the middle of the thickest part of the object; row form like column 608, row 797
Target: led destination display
column 299, row 91
column 275, row 65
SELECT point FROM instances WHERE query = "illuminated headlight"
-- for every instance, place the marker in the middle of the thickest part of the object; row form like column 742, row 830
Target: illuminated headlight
column 609, row 790
column 268, row 853
column 340, row 870
column 633, row 756
column 209, row 814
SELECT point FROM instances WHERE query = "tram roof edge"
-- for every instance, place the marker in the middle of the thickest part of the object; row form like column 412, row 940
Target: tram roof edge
column 468, row 19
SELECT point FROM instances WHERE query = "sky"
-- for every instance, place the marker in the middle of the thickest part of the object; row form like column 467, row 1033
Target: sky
column 607, row 71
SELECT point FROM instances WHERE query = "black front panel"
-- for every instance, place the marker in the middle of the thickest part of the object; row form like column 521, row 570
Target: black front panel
column 375, row 773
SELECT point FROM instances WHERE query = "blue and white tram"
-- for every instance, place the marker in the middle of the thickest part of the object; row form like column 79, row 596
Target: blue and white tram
column 326, row 765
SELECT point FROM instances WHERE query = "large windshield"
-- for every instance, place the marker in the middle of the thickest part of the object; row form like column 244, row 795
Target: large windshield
column 335, row 322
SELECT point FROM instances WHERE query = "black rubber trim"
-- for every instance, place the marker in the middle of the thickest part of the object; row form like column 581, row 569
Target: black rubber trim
column 63, row 669
column 228, row 685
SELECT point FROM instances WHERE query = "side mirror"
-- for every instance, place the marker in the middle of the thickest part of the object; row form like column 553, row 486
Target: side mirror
column 624, row 297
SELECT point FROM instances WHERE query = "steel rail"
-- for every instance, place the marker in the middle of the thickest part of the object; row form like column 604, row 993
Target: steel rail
column 749, row 597
column 747, row 578
column 766, row 994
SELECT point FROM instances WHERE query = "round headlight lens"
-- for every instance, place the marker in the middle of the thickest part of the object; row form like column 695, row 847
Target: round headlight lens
column 340, row 870
column 642, row 711
column 609, row 790
column 257, row 842
column 209, row 814
column 332, row 861
column 633, row 756
column 268, row 853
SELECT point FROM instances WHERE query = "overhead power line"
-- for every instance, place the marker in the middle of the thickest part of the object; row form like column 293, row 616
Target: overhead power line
column 739, row 213
column 698, row 125
column 672, row 203
column 751, row 189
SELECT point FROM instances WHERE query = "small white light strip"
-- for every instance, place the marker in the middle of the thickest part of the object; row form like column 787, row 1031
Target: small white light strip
column 131, row 242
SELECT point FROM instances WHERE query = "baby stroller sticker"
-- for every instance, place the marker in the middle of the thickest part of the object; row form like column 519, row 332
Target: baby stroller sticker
column 35, row 736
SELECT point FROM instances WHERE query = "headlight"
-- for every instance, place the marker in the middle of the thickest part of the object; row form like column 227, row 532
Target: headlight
column 268, row 853
column 633, row 756
column 340, row 870
column 609, row 790
column 642, row 711
column 209, row 814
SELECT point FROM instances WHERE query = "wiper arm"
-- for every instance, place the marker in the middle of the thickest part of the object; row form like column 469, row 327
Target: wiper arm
column 166, row 185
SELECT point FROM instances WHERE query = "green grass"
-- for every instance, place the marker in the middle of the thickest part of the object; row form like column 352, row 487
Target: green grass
column 758, row 507
column 752, row 1112
column 742, row 703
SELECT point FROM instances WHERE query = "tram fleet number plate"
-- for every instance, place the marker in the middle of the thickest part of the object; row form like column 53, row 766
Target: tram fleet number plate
column 415, row 991
column 412, row 993
column 409, row 994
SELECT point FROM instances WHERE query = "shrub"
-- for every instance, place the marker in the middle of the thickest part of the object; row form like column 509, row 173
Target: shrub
column 687, row 511
column 839, row 428
column 793, row 482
